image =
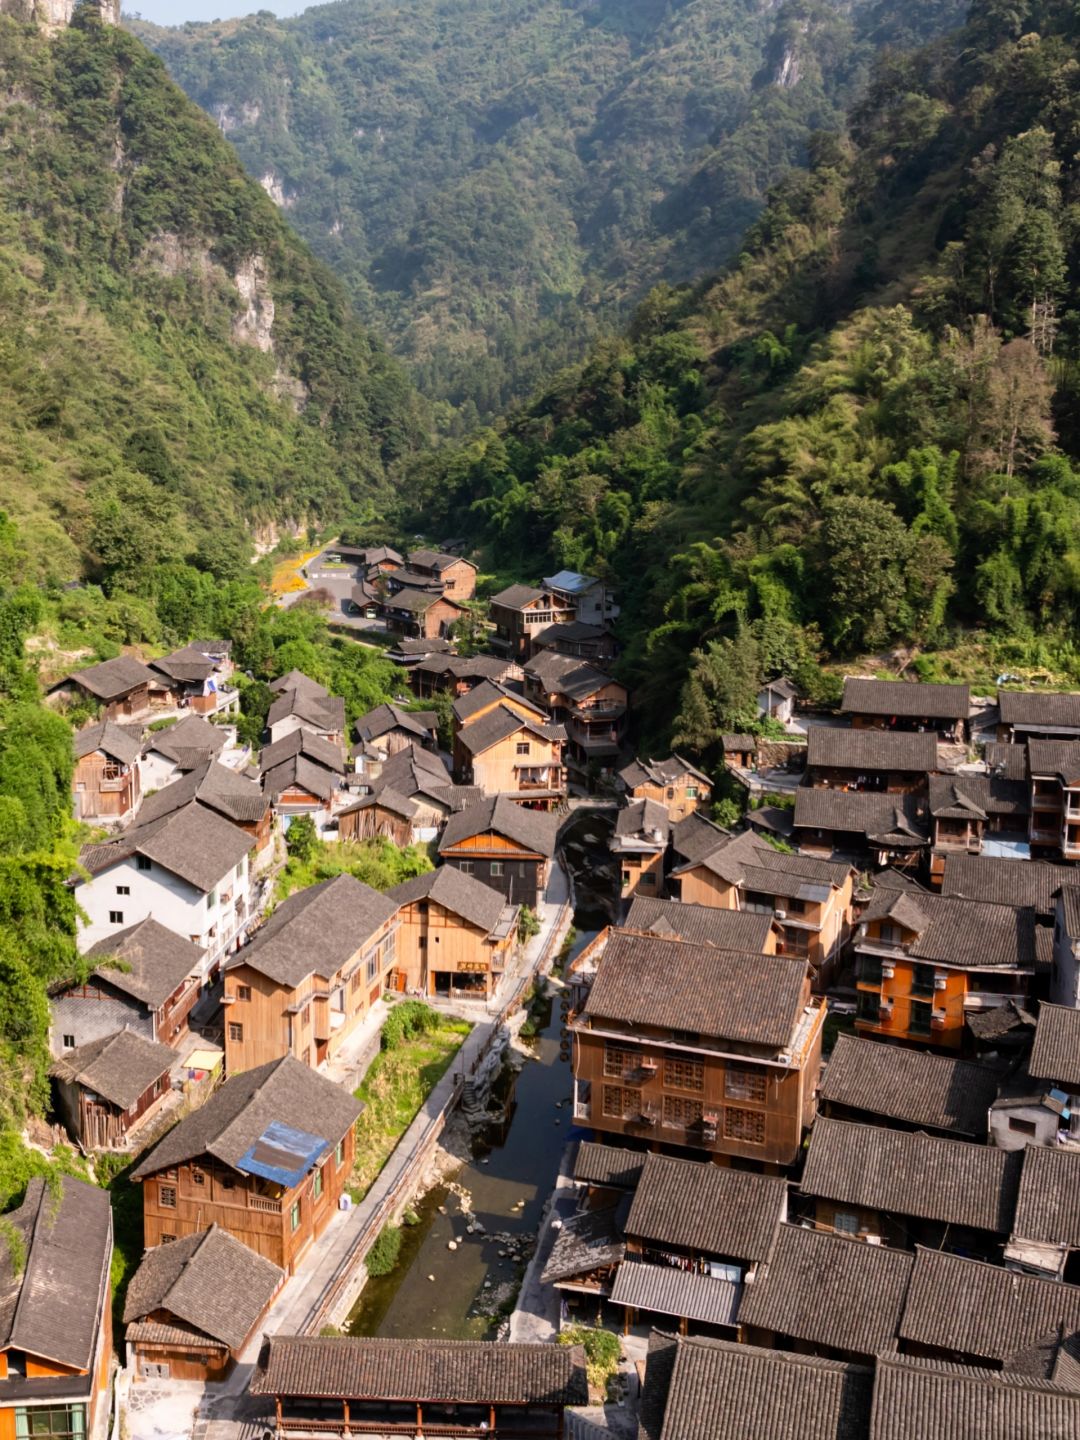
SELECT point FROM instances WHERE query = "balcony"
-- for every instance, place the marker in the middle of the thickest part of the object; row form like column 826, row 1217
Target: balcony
column 264, row 1204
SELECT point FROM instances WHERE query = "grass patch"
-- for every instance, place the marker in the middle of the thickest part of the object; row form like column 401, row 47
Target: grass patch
column 397, row 1083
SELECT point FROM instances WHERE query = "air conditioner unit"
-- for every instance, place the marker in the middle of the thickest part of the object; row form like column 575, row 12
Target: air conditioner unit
column 940, row 982
column 937, row 1020
column 886, row 1007
column 780, row 914
column 888, row 971
column 873, row 1240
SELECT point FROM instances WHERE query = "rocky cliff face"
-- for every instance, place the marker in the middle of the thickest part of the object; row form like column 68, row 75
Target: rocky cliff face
column 54, row 15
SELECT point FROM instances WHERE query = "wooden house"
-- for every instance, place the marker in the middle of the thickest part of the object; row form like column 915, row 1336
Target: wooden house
column 907, row 705
column 106, row 779
column 1055, row 1061
column 390, row 729
column 809, row 899
column 455, row 576
column 673, row 782
column 696, row 1386
column 888, row 829
column 224, row 793
column 188, row 869
column 907, row 1089
column 640, row 844
column 956, row 1400
column 994, row 880
column 192, row 1306
column 303, row 774
column 303, row 704
column 181, row 747
column 456, row 935
column 739, row 751
column 891, row 1187
column 1054, row 767
column 591, row 599
column 310, row 975
column 409, row 801
column 1025, row 715
column 464, row 1388
column 505, row 752
column 199, row 680
column 578, row 639
column 124, row 688
column 408, row 652
column 458, row 674
column 966, row 810
column 924, row 962
column 504, row 845
column 776, row 700
column 894, row 761
column 145, row 979
column 106, row 1089
column 1045, row 1238
column 704, row 924
column 521, row 611
column 421, row 612
column 56, row 1334
column 712, row 1051
column 267, row 1158
column 592, row 706
column 822, row 1295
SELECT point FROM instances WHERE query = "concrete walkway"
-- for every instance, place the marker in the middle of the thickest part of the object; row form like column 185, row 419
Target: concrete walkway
column 536, row 1315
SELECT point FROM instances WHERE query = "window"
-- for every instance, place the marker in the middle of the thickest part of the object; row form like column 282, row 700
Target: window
column 620, row 1060
column 466, row 867
column 243, row 992
column 684, row 1074
column 123, row 889
column 523, row 747
column 421, row 942
column 796, row 907
column 142, row 862
column 211, row 900
column 685, row 1037
column 922, row 980
column 236, row 1032
column 919, row 1023
column 868, row 1006
column 795, row 942
column 497, row 868
column 681, row 1114
column 691, row 792
column 869, row 971
column 889, row 934
column 116, row 917
column 620, row 1102
column 743, row 1083
column 167, row 1197
column 294, row 1216
column 198, row 1177
column 61, row 1422
column 1023, row 1127
column 626, row 878
column 671, row 792
column 339, row 1154
column 748, row 1125
column 69, row 1042
column 317, row 1185
column 845, row 1222
column 647, row 878
column 167, row 1239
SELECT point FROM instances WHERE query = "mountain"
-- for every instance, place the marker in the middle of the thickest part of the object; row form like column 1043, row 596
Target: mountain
column 497, row 181
column 862, row 434
column 176, row 369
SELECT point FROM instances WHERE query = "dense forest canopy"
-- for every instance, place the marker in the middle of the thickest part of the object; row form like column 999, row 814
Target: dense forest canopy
column 498, row 180
column 863, row 433
column 175, row 367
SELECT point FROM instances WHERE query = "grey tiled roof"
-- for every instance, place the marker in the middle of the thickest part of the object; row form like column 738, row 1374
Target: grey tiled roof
column 710, row 1209
column 1048, row 1207
column 912, row 1174
column 327, row 712
column 1055, row 1054
column 750, row 860
column 297, row 680
column 303, row 743
column 207, row 1280
column 50, row 1308
column 190, row 735
column 111, row 739
column 972, row 1308
column 113, row 679
column 120, row 1067
column 723, row 994
column 1039, row 708
column 215, row 786
column 316, row 931
column 829, row 1290
column 597, row 1164
column 236, row 1115
column 907, row 698
column 384, row 718
column 959, row 932
column 146, row 961
column 977, row 796
column 470, row 899
column 516, row 597
column 490, row 692
column 188, row 665
column 662, row 1290
column 418, row 602
column 642, row 817
column 499, row 724
column 701, row 924
column 1055, row 757
column 567, row 675
column 192, row 842
column 838, row 749
column 718, row 1390
column 910, row 1085
column 695, row 836
column 446, row 1370
column 591, row 1240
column 914, row 1399
column 899, row 820
column 660, row 772
column 1005, row 760
column 996, row 881
column 533, row 830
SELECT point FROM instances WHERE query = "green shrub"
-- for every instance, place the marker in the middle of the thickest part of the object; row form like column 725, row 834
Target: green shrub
column 383, row 1255
column 602, row 1352
column 411, row 1017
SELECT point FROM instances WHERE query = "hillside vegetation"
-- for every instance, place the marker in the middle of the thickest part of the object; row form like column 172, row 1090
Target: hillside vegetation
column 863, row 433
column 175, row 367
column 497, row 180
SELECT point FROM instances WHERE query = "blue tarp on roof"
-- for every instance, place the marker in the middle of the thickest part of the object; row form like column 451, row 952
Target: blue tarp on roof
column 569, row 580
column 283, row 1155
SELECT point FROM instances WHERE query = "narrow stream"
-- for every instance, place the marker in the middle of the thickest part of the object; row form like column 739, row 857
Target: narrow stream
column 435, row 1291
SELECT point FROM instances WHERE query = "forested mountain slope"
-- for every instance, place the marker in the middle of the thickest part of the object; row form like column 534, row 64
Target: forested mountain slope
column 865, row 431
column 497, row 179
column 174, row 364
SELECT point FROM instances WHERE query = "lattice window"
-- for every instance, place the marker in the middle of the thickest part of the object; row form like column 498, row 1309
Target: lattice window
column 620, row 1101
column 684, row 1074
column 618, row 1060
column 743, row 1083
column 748, row 1125
column 680, row 1114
